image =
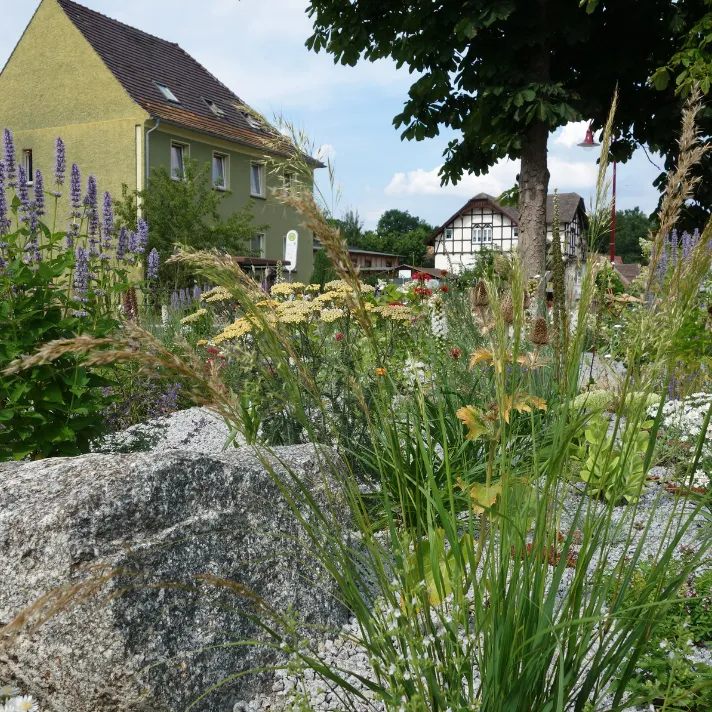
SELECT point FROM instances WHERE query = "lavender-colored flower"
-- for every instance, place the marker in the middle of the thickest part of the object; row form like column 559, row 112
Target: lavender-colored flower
column 122, row 243
column 142, row 241
column 107, row 225
column 184, row 299
column 75, row 191
column 91, row 207
column 38, row 188
column 10, row 164
column 23, row 192
column 673, row 249
column 133, row 242
column 4, row 222
column 81, row 278
column 72, row 235
column 196, row 292
column 686, row 244
column 60, row 162
column 175, row 302
column 662, row 266
column 152, row 268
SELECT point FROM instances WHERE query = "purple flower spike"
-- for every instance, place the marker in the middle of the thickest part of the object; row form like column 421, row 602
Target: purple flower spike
column 133, row 242
column 91, row 207
column 75, row 191
column 142, row 241
column 122, row 243
column 38, row 187
column 673, row 249
column 60, row 162
column 152, row 269
column 10, row 164
column 196, row 292
column 81, row 278
column 175, row 301
column 107, row 225
column 4, row 222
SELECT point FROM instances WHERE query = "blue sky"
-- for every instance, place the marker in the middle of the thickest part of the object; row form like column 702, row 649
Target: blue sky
column 256, row 47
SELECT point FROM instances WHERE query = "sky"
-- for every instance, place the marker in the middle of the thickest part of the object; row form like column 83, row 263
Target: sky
column 256, row 47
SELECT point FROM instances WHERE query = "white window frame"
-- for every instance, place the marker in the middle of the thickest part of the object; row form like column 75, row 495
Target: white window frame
column 28, row 165
column 226, row 170
column 449, row 234
column 487, row 234
column 261, row 166
column 288, row 182
column 167, row 92
column 482, row 234
column 261, row 240
column 477, row 234
column 185, row 153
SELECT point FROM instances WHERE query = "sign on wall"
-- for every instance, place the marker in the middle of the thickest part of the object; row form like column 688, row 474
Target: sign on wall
column 290, row 250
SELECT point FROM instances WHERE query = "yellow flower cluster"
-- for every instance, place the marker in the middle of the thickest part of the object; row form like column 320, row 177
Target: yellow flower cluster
column 326, row 297
column 194, row 317
column 282, row 289
column 395, row 312
column 331, row 315
column 219, row 294
column 337, row 285
column 313, row 288
column 296, row 312
column 238, row 328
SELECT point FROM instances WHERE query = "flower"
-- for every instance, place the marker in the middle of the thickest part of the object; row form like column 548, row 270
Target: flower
column 438, row 320
column 75, row 190
column 218, row 294
column 142, row 238
column 9, row 159
column 107, row 223
column 540, row 332
column 201, row 342
column 700, row 479
column 23, row 191
column 238, row 328
column 194, row 317
column 4, row 222
column 91, row 206
column 122, row 243
column 331, row 315
column 282, row 289
column 60, row 163
column 38, row 189
column 339, row 336
column 152, row 268
column 81, row 278
column 8, row 691
column 380, row 371
column 24, row 704
column 455, row 353
column 444, row 288
column 422, row 277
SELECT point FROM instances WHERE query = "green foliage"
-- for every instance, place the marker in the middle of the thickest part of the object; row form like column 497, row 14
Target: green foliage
column 399, row 222
column 631, row 226
column 49, row 409
column 616, row 473
column 189, row 212
column 323, row 269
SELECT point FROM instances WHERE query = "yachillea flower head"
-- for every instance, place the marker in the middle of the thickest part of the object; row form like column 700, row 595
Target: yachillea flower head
column 9, row 159
column 81, row 278
column 122, row 243
column 107, row 225
column 38, row 189
column 152, row 268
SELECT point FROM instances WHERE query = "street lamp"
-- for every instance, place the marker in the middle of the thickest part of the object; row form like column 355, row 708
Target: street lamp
column 588, row 143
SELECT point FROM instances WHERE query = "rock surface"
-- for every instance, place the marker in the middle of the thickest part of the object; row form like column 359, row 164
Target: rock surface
column 159, row 518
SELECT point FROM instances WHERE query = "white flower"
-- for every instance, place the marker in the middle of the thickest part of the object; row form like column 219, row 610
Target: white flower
column 607, row 356
column 663, row 644
column 24, row 704
column 8, row 691
column 392, row 669
column 164, row 315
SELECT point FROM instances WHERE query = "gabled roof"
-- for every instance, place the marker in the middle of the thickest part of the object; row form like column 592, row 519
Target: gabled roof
column 141, row 61
column 357, row 251
column 569, row 203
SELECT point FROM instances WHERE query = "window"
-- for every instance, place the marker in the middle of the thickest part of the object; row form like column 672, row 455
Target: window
column 178, row 154
column 449, row 233
column 257, row 245
column 27, row 164
column 220, row 171
column 215, row 109
column 167, row 93
column 481, row 234
column 515, row 232
column 367, row 263
column 288, row 181
column 251, row 120
column 389, row 263
column 257, row 180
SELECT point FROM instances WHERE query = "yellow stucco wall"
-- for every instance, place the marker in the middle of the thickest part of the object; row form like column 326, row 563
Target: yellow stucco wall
column 54, row 84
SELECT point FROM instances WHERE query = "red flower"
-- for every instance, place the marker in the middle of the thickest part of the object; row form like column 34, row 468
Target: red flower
column 443, row 273
column 396, row 304
column 422, row 277
column 444, row 288
column 428, row 292
column 339, row 336
column 456, row 353
column 212, row 350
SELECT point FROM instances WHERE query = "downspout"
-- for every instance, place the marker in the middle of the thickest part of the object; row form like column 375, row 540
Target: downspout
column 148, row 140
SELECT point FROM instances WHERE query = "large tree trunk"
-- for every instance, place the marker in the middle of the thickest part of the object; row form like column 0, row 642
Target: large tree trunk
column 533, row 189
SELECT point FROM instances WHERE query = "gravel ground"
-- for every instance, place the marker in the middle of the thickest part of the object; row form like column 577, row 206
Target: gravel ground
column 194, row 429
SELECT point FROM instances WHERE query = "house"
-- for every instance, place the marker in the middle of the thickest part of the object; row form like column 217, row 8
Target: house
column 484, row 223
column 126, row 102
column 368, row 260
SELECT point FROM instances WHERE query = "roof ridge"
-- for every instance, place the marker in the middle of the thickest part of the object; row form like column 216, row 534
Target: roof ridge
column 72, row 3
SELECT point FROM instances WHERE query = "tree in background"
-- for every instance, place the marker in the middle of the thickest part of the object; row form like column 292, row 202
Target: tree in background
column 631, row 226
column 506, row 73
column 323, row 269
column 188, row 212
column 400, row 222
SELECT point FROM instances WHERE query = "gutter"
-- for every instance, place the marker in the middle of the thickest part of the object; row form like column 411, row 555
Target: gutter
column 148, row 140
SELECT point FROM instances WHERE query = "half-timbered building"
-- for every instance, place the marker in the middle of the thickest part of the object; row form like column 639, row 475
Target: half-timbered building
column 483, row 223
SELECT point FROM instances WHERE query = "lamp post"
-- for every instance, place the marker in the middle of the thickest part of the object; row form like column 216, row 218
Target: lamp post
column 588, row 143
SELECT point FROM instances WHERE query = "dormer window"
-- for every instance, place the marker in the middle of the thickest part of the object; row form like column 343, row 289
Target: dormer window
column 251, row 120
column 215, row 109
column 167, row 93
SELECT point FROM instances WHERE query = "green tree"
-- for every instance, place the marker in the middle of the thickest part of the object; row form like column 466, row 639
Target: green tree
column 188, row 212
column 505, row 73
column 400, row 222
column 323, row 269
column 631, row 226
column 351, row 227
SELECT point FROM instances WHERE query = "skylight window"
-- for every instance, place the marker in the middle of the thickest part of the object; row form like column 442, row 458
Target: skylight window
column 215, row 109
column 167, row 93
column 251, row 120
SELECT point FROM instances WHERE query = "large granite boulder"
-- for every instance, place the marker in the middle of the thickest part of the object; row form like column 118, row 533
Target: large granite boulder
column 160, row 519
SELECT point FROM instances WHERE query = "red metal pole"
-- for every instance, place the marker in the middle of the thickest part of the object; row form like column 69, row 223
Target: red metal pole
column 613, row 216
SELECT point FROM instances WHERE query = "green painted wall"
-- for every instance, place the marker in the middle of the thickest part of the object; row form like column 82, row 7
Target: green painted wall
column 54, row 84
column 268, row 210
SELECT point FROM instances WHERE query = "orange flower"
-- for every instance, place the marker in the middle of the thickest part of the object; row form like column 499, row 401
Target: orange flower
column 380, row 371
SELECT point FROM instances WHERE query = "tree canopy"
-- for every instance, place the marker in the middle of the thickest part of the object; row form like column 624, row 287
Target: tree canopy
column 505, row 73
column 631, row 225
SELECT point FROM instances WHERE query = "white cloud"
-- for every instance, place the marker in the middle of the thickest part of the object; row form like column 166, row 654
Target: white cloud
column 571, row 134
column 326, row 152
